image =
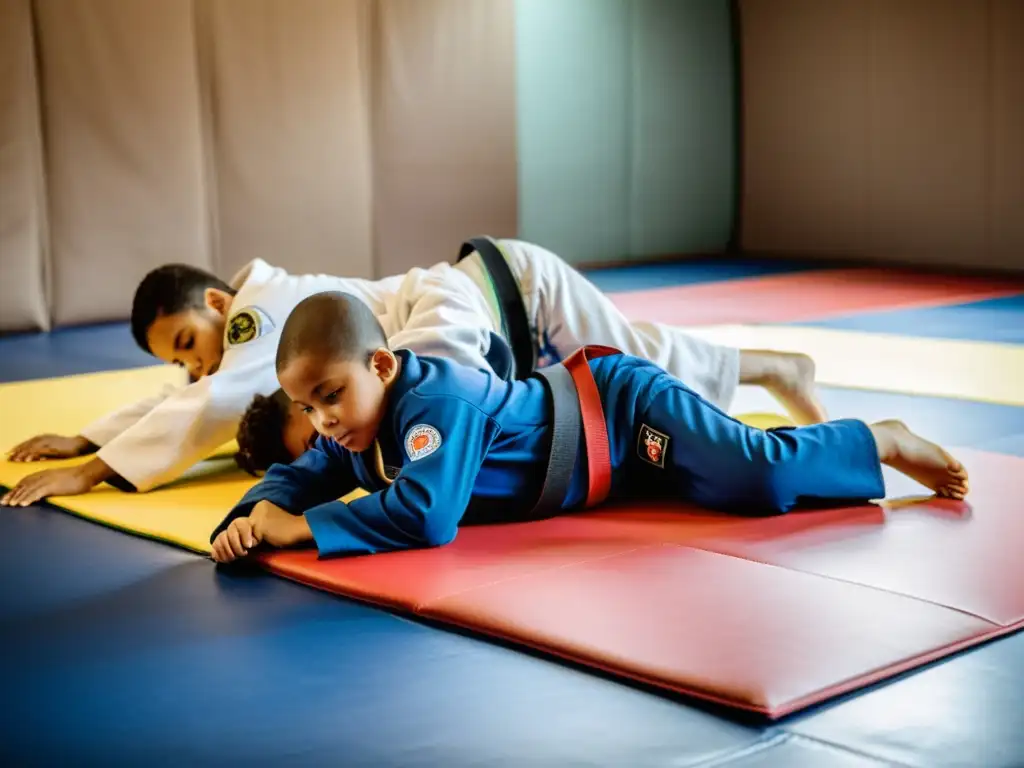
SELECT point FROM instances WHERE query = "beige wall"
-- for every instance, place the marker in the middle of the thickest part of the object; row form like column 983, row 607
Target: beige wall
column 327, row 135
column 23, row 246
column 888, row 129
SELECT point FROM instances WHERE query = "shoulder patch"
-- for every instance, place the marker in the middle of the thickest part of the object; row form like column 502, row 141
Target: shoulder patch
column 651, row 446
column 422, row 440
column 245, row 325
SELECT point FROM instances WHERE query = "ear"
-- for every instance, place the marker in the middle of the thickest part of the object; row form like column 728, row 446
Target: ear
column 384, row 364
column 217, row 300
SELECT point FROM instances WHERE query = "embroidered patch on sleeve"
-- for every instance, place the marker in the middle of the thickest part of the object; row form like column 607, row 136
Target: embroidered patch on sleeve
column 245, row 325
column 422, row 440
column 651, row 446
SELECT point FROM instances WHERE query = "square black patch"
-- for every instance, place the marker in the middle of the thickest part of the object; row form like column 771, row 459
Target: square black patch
column 652, row 446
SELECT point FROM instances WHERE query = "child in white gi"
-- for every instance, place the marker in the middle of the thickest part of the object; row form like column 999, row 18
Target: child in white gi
column 225, row 336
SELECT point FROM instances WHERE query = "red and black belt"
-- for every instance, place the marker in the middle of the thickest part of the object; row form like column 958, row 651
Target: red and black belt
column 577, row 409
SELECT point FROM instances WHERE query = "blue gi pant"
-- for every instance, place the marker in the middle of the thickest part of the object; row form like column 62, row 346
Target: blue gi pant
column 687, row 447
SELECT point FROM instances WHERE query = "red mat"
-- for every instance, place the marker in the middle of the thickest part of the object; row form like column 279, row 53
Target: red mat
column 768, row 615
column 806, row 296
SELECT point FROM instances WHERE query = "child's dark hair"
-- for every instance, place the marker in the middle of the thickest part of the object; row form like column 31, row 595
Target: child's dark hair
column 260, row 434
column 331, row 324
column 167, row 290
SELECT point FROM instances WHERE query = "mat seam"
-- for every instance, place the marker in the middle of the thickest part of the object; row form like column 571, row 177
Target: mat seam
column 728, row 756
column 781, row 738
column 840, row 580
column 796, row 736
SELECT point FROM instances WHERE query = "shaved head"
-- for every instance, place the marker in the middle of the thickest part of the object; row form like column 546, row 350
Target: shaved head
column 330, row 326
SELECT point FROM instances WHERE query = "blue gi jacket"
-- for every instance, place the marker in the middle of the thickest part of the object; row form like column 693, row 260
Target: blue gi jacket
column 462, row 445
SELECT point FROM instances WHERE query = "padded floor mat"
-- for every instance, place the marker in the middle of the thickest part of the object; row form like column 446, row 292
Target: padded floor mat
column 768, row 615
column 182, row 513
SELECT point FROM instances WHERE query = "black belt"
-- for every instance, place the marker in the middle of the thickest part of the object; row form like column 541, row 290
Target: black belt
column 514, row 317
column 565, row 440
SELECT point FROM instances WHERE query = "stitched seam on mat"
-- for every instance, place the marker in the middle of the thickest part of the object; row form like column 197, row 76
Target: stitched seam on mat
column 731, row 755
column 487, row 584
column 849, row 750
column 840, row 580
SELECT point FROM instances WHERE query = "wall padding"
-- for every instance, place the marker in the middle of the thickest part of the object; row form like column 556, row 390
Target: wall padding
column 444, row 127
column 123, row 148
column 927, row 122
column 804, row 126
column 290, row 132
column 682, row 132
column 22, row 190
column 1006, row 216
column 887, row 130
column 627, row 127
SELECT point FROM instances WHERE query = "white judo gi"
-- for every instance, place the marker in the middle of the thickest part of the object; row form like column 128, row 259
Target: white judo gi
column 446, row 310
column 567, row 311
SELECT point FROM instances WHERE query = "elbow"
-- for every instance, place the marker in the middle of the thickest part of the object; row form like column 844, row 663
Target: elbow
column 424, row 519
column 438, row 529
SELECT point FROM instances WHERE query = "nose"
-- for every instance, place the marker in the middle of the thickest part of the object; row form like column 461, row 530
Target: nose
column 327, row 422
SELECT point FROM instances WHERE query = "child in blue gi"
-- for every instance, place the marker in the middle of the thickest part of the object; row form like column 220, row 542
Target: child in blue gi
column 438, row 444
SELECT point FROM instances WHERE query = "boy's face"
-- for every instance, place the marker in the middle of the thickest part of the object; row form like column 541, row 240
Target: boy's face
column 194, row 338
column 345, row 400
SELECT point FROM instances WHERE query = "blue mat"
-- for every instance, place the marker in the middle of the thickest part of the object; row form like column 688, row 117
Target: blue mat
column 998, row 320
column 69, row 351
column 645, row 276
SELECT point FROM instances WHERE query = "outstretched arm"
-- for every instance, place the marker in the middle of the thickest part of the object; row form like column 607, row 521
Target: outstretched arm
column 182, row 430
column 423, row 506
column 92, row 437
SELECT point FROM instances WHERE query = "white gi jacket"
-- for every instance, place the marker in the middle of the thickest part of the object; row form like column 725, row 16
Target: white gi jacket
column 436, row 311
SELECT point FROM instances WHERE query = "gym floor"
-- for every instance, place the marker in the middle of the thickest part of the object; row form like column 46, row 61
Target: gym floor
column 120, row 650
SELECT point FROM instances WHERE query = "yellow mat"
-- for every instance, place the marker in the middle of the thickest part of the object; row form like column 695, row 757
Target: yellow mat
column 182, row 513
column 953, row 368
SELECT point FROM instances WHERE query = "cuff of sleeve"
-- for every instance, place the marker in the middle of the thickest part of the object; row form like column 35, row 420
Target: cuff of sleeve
column 111, row 459
column 330, row 536
column 97, row 435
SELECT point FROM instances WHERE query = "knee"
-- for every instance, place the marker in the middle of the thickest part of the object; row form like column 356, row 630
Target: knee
column 771, row 490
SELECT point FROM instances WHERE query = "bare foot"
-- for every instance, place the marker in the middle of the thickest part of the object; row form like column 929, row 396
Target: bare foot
column 789, row 377
column 920, row 459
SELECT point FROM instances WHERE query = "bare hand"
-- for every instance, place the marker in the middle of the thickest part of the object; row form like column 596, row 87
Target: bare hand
column 235, row 541
column 266, row 523
column 66, row 481
column 50, row 447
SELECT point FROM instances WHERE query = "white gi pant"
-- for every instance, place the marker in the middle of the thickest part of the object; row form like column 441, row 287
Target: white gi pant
column 567, row 311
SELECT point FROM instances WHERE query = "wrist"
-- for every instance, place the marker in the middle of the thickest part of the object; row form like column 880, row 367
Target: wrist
column 95, row 471
column 303, row 532
column 84, row 445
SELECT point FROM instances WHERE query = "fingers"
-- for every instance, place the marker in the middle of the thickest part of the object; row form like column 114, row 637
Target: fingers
column 30, row 490
column 234, row 542
column 26, row 451
column 221, row 551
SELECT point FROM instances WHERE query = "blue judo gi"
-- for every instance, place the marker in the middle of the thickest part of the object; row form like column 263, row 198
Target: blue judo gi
column 459, row 445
